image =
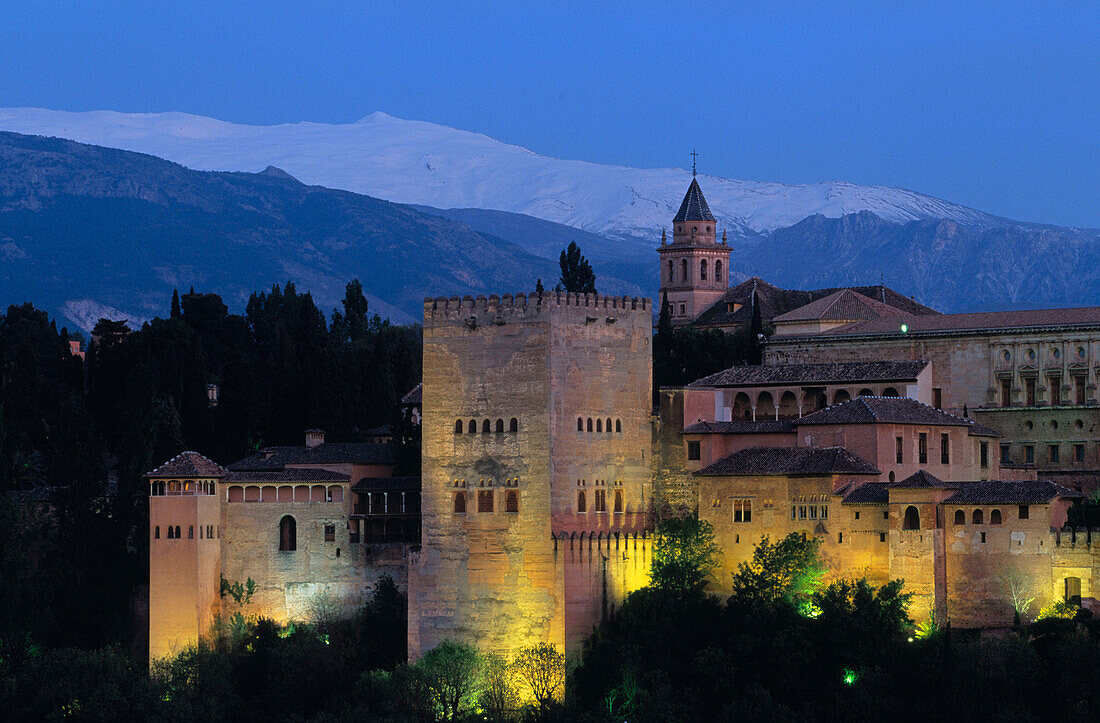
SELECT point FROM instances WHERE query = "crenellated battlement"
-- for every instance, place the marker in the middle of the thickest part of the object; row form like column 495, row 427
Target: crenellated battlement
column 502, row 308
column 1075, row 537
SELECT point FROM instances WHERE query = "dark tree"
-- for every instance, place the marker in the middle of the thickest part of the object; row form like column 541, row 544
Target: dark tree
column 539, row 290
column 175, row 304
column 576, row 273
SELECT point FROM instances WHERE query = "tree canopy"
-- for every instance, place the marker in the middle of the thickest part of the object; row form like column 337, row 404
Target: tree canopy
column 577, row 275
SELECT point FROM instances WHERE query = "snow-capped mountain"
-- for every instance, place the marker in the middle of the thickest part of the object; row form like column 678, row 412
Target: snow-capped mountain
column 423, row 163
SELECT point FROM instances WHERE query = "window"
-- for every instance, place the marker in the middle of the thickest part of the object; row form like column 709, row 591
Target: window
column 599, row 425
column 684, row 269
column 839, row 538
column 802, row 512
column 589, row 424
column 983, row 538
column 1052, row 452
column 513, row 425
column 694, row 451
column 601, row 500
column 813, row 512
column 703, row 270
column 1025, row 512
column 718, row 270
column 500, row 426
column 960, row 517
column 824, row 512
column 1079, row 389
column 937, row 397
column 922, row 448
column 1006, row 454
column 460, row 503
column 156, row 532
column 511, row 501
column 1029, row 454
column 1078, row 453
column 897, row 450
column 190, row 532
column 288, row 534
column 683, row 310
column 857, row 515
column 607, row 425
column 995, row 517
column 886, row 514
column 912, row 519
column 484, row 500
column 945, row 449
column 1029, row 392
column 671, row 274
column 485, row 427
column 742, row 510
column 983, row 454
column 177, row 532
column 581, row 502
column 618, row 500
column 977, row 518
column 793, row 512
column 458, row 427
column 1056, row 391
column 580, row 424
column 882, row 537
column 473, row 426
column 330, row 533
column 618, row 426
column 1006, row 392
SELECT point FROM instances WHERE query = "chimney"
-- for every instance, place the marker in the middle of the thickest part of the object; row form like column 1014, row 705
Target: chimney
column 315, row 437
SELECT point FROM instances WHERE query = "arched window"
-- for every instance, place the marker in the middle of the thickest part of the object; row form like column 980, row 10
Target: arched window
column 485, row 426
column 718, row 270
column 177, row 532
column 684, row 269
column 607, row 425
column 995, row 517
column 580, row 424
column 582, row 505
column 484, row 500
column 458, row 427
column 473, row 426
column 513, row 425
column 590, row 424
column 619, row 426
column 511, row 501
column 618, row 500
column 866, row 393
column 599, row 425
column 288, row 534
column 460, row 503
column 977, row 518
column 156, row 532
column 500, row 426
column 960, row 517
column 912, row 519
column 703, row 270
column 890, row 392
column 671, row 272
column 190, row 532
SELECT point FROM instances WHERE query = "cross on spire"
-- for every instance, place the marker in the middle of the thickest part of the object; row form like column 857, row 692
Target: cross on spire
column 693, row 157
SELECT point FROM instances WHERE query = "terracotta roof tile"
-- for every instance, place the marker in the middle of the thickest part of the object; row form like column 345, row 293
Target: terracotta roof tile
column 790, row 461
column 883, row 410
column 287, row 475
column 847, row 372
column 921, row 480
column 764, row 426
column 189, row 465
column 998, row 320
column 842, row 305
column 276, row 458
column 1009, row 493
column 870, row 493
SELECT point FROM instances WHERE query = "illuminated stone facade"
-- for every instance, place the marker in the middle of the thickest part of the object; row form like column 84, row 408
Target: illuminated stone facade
column 536, row 438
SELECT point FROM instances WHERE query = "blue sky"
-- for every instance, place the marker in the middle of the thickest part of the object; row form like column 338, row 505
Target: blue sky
column 993, row 105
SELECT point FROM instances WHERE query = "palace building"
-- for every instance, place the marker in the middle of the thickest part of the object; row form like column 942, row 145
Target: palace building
column 944, row 449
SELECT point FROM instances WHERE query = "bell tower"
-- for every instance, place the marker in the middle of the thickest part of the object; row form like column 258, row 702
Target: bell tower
column 695, row 266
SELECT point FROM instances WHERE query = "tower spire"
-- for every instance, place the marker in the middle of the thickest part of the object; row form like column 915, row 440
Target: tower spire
column 694, row 155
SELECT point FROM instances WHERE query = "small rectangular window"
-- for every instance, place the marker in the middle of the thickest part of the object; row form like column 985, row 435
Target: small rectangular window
column 882, row 537
column 1029, row 454
column 922, row 448
column 937, row 397
column 330, row 533
column 1025, row 512
column 983, row 454
column 897, row 450
column 886, row 514
column 794, row 516
column 1056, row 391
column 839, row 538
column 1078, row 453
column 857, row 515
column 1029, row 392
column 694, row 451
column 601, row 500
column 983, row 537
column 1006, row 392
column 742, row 510
column 824, row 512
column 945, row 449
column 1053, row 452
column 813, row 512
column 1006, row 454
column 802, row 512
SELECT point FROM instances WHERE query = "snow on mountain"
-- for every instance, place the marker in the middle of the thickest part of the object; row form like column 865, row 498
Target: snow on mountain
column 423, row 163
column 84, row 313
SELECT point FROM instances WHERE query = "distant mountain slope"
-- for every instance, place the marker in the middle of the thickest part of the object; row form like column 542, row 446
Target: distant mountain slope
column 423, row 163
column 85, row 229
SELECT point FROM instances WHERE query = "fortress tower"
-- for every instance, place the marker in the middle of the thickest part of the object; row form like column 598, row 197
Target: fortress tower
column 536, row 434
column 694, row 267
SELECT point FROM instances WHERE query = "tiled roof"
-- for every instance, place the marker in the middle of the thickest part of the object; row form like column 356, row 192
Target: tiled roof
column 842, row 305
column 1009, row 493
column 774, row 301
column 995, row 320
column 694, row 206
column 376, row 484
column 883, row 410
column 790, row 461
column 275, row 458
column 288, row 475
column 414, row 396
column 846, row 372
column 189, row 465
column 870, row 493
column 921, row 480
column 763, row 426
column 981, row 430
